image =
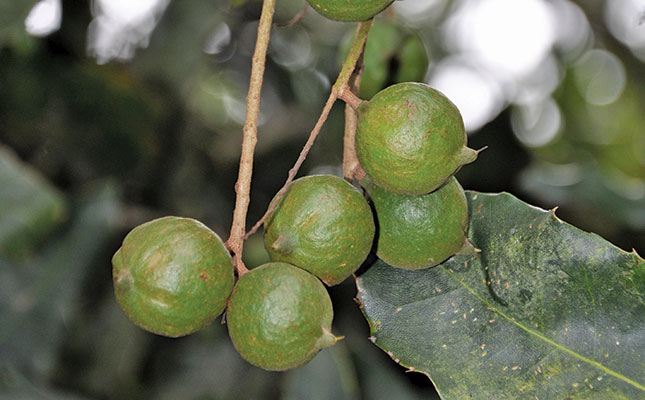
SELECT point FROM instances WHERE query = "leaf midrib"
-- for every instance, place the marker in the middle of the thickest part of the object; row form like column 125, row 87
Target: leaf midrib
column 530, row 331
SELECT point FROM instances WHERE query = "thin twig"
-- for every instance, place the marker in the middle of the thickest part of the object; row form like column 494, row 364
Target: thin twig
column 351, row 99
column 336, row 91
column 352, row 168
column 295, row 19
column 235, row 242
column 350, row 161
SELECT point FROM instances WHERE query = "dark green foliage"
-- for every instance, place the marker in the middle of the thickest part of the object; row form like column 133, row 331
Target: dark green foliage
column 545, row 310
column 130, row 140
column 30, row 207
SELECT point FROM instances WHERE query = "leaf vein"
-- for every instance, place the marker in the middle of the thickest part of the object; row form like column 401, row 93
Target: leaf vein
column 544, row 338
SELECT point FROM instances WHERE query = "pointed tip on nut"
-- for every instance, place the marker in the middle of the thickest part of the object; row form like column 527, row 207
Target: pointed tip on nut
column 328, row 339
column 467, row 155
column 468, row 249
column 481, row 149
column 282, row 244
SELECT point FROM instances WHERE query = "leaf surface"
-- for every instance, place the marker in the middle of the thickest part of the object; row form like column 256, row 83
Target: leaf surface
column 38, row 300
column 30, row 207
column 545, row 311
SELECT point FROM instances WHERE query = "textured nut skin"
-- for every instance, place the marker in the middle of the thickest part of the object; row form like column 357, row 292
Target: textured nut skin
column 420, row 231
column 323, row 225
column 172, row 276
column 410, row 138
column 349, row 10
column 279, row 317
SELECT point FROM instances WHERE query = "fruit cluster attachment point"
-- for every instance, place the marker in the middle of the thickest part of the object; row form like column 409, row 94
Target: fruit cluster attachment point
column 172, row 276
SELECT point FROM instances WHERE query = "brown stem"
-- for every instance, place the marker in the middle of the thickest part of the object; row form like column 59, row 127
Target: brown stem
column 295, row 19
column 350, row 98
column 350, row 161
column 352, row 169
column 235, row 242
column 339, row 86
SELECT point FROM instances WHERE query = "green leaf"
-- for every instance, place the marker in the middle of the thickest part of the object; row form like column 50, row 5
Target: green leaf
column 31, row 207
column 544, row 311
column 38, row 300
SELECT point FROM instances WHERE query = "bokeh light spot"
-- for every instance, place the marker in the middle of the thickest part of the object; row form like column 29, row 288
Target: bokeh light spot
column 573, row 32
column 536, row 124
column 419, row 10
column 218, row 40
column 44, row 18
column 291, row 48
column 626, row 21
column 600, row 77
column 478, row 98
column 509, row 37
column 120, row 27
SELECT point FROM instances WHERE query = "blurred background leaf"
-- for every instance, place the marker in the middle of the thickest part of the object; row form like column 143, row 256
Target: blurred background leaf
column 40, row 299
column 112, row 116
column 31, row 207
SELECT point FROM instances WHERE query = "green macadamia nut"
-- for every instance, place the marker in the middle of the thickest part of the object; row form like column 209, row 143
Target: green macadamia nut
column 420, row 231
column 410, row 138
column 349, row 10
column 324, row 225
column 172, row 276
column 279, row 317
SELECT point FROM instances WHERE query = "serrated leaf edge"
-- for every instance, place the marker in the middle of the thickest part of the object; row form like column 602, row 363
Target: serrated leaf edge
column 473, row 196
